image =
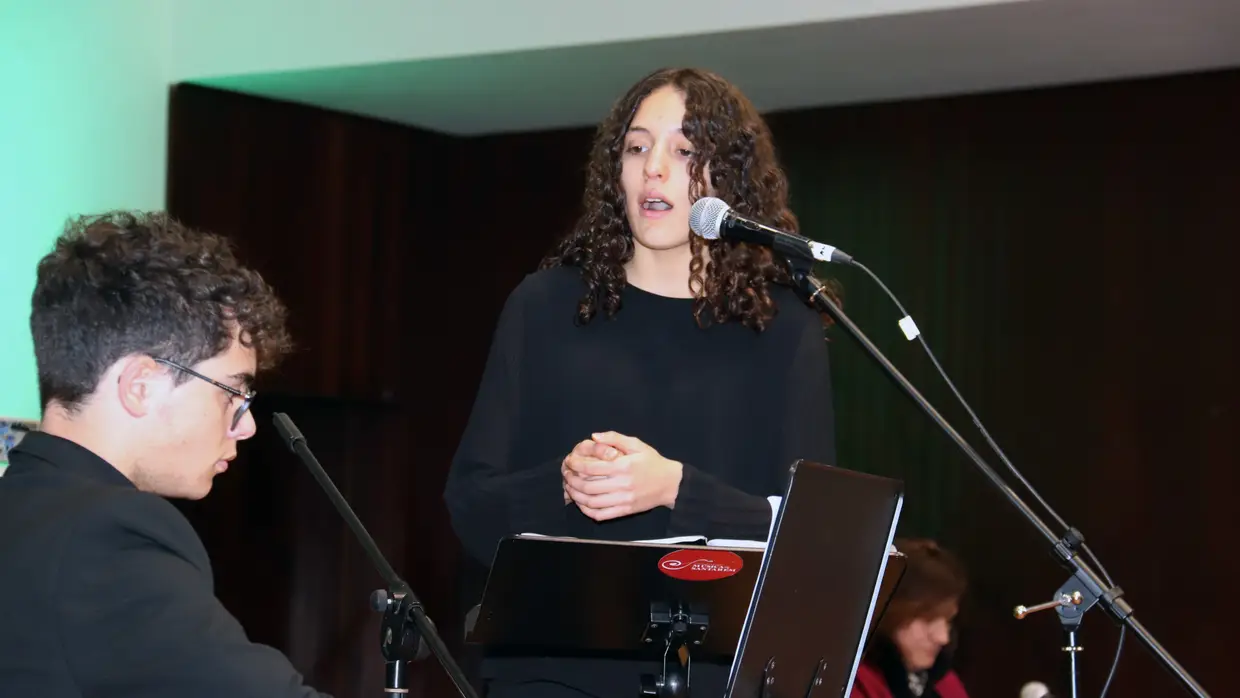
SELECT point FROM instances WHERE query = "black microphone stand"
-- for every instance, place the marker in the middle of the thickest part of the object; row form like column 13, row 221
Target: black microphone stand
column 1092, row 587
column 406, row 633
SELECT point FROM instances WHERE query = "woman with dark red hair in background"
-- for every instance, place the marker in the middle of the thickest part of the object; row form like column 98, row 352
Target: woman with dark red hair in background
column 910, row 655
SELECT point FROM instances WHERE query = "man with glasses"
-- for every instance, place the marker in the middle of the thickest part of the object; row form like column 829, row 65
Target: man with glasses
column 147, row 337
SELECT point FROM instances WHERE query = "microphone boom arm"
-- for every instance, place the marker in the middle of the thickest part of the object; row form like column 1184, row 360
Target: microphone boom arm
column 1065, row 547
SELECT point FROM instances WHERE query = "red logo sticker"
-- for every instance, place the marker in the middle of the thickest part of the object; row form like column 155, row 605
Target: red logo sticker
column 700, row 565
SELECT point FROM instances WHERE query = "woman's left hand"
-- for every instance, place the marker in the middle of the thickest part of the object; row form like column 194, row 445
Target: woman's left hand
column 638, row 480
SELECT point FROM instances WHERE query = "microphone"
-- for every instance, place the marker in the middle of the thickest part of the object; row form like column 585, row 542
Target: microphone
column 713, row 219
column 1035, row 689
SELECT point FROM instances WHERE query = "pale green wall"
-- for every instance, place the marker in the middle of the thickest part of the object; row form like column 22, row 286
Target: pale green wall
column 83, row 103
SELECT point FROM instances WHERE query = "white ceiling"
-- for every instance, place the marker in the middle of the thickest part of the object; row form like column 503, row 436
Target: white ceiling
column 962, row 49
column 219, row 38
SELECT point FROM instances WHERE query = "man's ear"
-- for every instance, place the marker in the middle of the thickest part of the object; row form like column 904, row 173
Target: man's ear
column 139, row 383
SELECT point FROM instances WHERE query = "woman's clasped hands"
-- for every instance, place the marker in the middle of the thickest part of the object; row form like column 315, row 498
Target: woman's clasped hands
column 611, row 475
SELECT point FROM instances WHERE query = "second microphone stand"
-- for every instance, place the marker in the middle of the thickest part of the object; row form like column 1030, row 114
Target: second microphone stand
column 406, row 634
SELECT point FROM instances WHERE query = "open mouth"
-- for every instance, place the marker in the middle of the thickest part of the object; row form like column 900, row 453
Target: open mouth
column 655, row 204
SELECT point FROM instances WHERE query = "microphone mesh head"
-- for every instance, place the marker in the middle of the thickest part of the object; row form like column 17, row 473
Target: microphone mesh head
column 706, row 216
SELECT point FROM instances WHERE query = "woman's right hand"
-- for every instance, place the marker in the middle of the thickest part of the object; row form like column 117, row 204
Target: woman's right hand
column 582, row 452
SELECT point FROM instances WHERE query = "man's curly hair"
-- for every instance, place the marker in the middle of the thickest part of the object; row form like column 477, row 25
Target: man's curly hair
column 730, row 139
column 122, row 283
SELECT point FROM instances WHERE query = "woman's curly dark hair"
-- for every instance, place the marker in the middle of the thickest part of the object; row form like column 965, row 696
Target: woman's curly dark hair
column 732, row 139
column 123, row 283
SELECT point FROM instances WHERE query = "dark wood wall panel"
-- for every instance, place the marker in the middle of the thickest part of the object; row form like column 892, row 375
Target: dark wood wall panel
column 1066, row 252
column 328, row 208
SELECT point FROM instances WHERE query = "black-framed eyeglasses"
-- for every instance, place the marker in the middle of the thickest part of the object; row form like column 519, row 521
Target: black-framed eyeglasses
column 247, row 397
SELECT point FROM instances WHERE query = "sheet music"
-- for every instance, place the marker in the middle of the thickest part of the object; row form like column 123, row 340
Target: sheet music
column 700, row 540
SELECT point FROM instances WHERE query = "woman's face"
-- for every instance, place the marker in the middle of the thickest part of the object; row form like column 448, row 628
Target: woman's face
column 655, row 172
column 920, row 640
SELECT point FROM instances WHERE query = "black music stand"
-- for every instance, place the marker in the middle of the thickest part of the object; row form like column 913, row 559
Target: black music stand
column 825, row 581
column 680, row 603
